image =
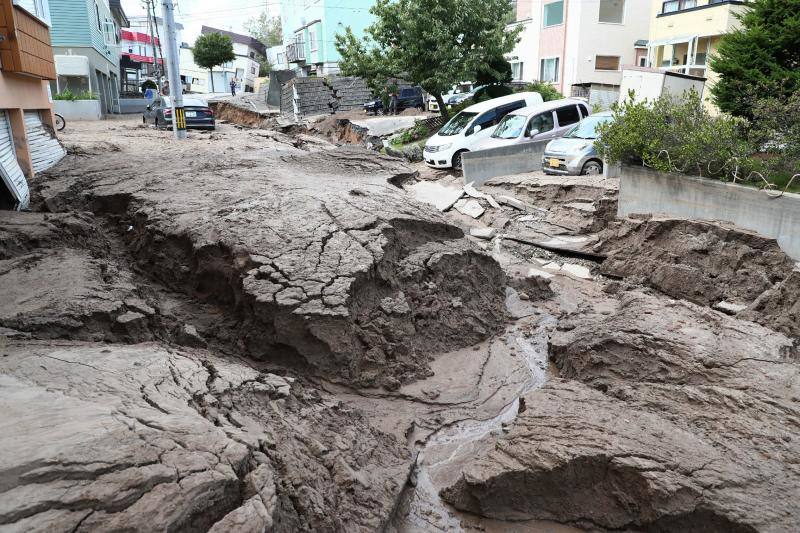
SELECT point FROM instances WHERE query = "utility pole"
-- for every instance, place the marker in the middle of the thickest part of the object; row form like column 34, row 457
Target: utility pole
column 173, row 70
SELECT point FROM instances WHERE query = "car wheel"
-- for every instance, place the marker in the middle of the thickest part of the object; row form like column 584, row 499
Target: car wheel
column 144, row 119
column 592, row 168
column 457, row 163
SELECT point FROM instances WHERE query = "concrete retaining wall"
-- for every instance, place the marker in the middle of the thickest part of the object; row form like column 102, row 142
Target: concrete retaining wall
column 504, row 161
column 79, row 109
column 643, row 191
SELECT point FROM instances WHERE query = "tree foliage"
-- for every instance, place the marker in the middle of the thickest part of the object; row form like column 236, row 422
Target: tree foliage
column 547, row 91
column 761, row 57
column 431, row 43
column 213, row 49
column 776, row 132
column 266, row 29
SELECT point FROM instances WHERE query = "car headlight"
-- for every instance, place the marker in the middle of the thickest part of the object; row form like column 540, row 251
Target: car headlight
column 584, row 146
column 445, row 146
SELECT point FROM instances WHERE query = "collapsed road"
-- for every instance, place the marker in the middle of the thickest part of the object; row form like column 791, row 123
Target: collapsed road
column 258, row 330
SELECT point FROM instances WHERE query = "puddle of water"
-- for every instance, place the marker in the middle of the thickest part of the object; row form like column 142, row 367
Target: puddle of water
column 424, row 510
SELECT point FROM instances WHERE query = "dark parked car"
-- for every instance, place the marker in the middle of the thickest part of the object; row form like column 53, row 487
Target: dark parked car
column 198, row 114
column 407, row 98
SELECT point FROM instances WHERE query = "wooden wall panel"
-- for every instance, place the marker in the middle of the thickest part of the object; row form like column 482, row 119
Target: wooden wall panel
column 26, row 48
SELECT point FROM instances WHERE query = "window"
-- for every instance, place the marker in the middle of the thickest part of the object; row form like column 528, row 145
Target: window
column 312, row 39
column 110, row 33
column 642, row 61
column 606, row 63
column 486, row 120
column 543, row 122
column 672, row 6
column 611, row 11
column 280, row 59
column 553, row 13
column 252, row 70
column 37, row 8
column 516, row 71
column 97, row 15
column 567, row 115
column 549, row 70
column 584, row 110
column 252, row 55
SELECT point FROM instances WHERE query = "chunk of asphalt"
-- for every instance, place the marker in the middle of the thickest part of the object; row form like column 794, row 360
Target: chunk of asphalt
column 440, row 196
column 470, row 208
column 483, row 233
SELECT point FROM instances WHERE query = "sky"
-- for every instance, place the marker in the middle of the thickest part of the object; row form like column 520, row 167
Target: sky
column 225, row 14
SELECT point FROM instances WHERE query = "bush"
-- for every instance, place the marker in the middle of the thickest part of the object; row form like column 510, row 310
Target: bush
column 417, row 132
column 676, row 134
column 149, row 84
column 66, row 94
column 775, row 132
column 547, row 91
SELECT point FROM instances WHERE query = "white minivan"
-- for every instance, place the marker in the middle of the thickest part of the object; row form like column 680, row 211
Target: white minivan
column 471, row 126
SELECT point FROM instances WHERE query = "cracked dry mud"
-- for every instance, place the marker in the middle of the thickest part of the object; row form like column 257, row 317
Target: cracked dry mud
column 259, row 331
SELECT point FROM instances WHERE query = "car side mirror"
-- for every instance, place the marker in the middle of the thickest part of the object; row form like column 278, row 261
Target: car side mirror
column 533, row 133
column 477, row 128
column 149, row 108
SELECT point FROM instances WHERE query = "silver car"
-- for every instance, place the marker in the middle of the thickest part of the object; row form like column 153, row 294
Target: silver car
column 574, row 153
column 539, row 122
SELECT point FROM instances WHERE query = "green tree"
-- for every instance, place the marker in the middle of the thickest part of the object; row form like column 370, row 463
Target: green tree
column 431, row 43
column 547, row 91
column 761, row 57
column 266, row 29
column 212, row 49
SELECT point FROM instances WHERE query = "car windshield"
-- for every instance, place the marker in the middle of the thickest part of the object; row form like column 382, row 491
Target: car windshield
column 587, row 128
column 510, row 127
column 457, row 123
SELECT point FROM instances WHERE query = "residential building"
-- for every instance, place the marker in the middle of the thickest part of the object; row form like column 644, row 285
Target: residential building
column 578, row 46
column 276, row 55
column 142, row 53
column 249, row 51
column 27, row 137
column 684, row 34
column 310, row 28
column 85, row 35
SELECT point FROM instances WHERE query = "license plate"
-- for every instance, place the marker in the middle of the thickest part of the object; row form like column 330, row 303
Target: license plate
column 191, row 114
column 555, row 163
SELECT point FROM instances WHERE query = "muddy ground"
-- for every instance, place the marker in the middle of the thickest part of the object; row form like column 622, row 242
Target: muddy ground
column 264, row 330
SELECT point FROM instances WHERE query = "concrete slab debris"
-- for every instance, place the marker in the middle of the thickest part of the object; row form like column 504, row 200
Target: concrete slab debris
column 729, row 308
column 582, row 206
column 483, row 233
column 470, row 189
column 512, row 202
column 470, row 208
column 441, row 196
column 579, row 271
column 536, row 273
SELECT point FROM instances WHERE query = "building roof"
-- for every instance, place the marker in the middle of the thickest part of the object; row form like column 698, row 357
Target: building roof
column 252, row 42
column 119, row 13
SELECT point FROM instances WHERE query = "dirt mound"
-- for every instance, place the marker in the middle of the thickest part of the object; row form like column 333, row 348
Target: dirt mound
column 689, row 427
column 239, row 114
column 151, row 439
column 333, row 267
column 58, row 282
column 705, row 263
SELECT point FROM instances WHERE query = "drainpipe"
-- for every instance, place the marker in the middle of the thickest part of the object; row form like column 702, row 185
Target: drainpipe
column 564, row 48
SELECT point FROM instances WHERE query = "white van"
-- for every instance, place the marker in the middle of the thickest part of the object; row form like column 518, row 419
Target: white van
column 471, row 126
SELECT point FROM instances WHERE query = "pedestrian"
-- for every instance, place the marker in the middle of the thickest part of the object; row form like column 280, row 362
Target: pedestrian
column 233, row 87
column 393, row 100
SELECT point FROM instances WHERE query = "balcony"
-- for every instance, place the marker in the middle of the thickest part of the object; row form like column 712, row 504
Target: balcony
column 296, row 52
column 673, row 7
column 25, row 43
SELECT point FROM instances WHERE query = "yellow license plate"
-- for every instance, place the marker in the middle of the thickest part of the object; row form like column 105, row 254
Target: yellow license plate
column 555, row 163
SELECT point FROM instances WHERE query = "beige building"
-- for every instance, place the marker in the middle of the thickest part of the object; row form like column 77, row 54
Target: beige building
column 684, row 34
column 27, row 143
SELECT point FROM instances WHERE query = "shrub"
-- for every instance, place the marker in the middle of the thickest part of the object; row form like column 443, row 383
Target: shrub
column 547, row 91
column 775, row 132
column 417, row 132
column 149, row 84
column 676, row 134
column 66, row 94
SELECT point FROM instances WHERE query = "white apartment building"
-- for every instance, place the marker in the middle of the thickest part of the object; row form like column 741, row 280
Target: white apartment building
column 579, row 46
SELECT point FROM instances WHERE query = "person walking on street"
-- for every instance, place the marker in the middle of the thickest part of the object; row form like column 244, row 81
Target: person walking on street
column 233, row 87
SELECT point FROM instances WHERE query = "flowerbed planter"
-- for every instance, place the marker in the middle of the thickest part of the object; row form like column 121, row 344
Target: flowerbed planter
column 78, row 109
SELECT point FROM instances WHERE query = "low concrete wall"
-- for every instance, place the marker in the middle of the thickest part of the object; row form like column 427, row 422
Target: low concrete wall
column 483, row 165
column 78, row 110
column 130, row 106
column 643, row 191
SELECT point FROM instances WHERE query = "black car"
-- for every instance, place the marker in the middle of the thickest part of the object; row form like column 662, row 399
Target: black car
column 407, row 98
column 198, row 114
